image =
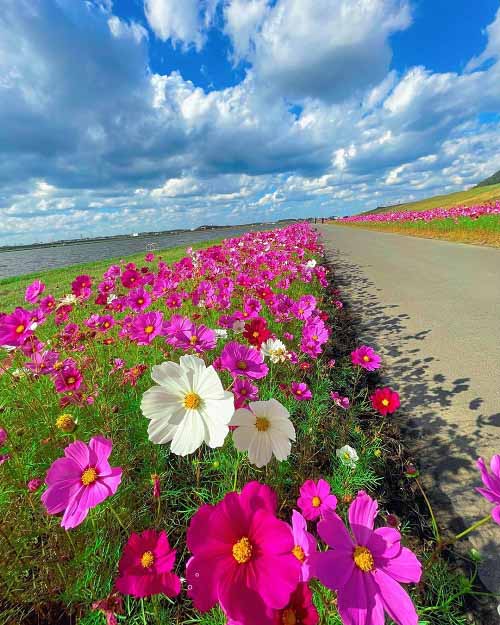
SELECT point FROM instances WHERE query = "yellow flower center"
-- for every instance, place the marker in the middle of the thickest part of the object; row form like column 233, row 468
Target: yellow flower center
column 193, row 340
column 106, row 324
column 65, row 422
column 255, row 334
column 314, row 337
column 316, row 502
column 20, row 329
column 242, row 365
column 140, row 301
column 147, row 560
column 385, row 402
column 242, row 550
column 366, row 358
column 363, row 559
column 148, row 329
column 346, row 455
column 262, row 424
column 298, row 392
column 71, row 380
column 298, row 552
column 289, row 617
column 191, row 401
column 89, row 476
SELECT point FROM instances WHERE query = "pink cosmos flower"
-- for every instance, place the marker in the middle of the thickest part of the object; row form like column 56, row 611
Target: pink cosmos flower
column 4, row 458
column 242, row 557
column 366, row 569
column 300, row 391
column 68, row 377
column 314, row 335
column 42, row 363
column 385, row 401
column 145, row 327
column 81, row 480
column 146, row 565
column 366, row 357
column 131, row 278
column 33, row 291
column 242, row 360
column 342, row 402
column 315, row 499
column 110, row 607
column 304, row 308
column 198, row 338
column 244, row 391
column 34, row 484
column 3, row 436
column 48, row 304
column 82, row 286
column 305, row 544
column 15, row 328
column 491, row 482
column 139, row 299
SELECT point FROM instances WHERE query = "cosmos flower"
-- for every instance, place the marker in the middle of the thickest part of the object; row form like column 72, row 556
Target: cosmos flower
column 244, row 391
column 366, row 358
column 385, row 401
column 347, row 456
column 242, row 360
column 15, row 328
column 81, row 287
column 305, row 544
column 145, row 327
column 81, row 480
column 3, row 436
column 264, row 430
column 242, row 557
column 256, row 332
column 315, row 499
column 188, row 407
column 275, row 350
column 146, row 564
column 197, row 338
column 342, row 402
column 33, row 291
column 491, row 481
column 366, row 569
column 68, row 377
column 300, row 391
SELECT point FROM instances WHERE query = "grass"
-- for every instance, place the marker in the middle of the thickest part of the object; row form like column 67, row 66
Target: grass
column 52, row 572
column 477, row 195
column 484, row 230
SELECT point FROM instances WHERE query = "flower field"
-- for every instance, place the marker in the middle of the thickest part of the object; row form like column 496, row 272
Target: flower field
column 186, row 442
column 466, row 224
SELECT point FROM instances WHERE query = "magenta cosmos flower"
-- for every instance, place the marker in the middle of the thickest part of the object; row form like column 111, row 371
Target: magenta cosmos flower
column 300, row 391
column 385, row 401
column 305, row 544
column 366, row 569
column 33, row 291
column 315, row 499
column 145, row 327
column 366, row 357
column 242, row 360
column 242, row 557
column 491, row 482
column 146, row 565
column 15, row 328
column 81, row 480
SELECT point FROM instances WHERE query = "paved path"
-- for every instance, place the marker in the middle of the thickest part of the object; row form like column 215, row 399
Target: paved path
column 432, row 308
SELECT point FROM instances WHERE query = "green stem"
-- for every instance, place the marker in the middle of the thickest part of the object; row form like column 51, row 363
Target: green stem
column 434, row 524
column 473, row 527
column 115, row 513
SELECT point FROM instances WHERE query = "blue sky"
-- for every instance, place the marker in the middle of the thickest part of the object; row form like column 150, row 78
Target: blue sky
column 125, row 115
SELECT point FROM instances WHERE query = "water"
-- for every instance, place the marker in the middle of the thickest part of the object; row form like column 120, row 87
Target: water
column 20, row 262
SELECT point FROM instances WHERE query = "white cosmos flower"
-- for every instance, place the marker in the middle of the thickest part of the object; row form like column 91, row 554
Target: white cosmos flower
column 263, row 430
column 311, row 263
column 238, row 326
column 221, row 333
column 189, row 407
column 275, row 350
column 348, row 456
column 67, row 300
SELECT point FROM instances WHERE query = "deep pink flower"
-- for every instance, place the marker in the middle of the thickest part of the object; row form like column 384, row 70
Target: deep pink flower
column 145, row 327
column 244, row 391
column 304, row 308
column 305, row 544
column 3, row 436
column 300, row 391
column 68, row 377
column 42, row 363
column 315, row 499
column 139, row 299
column 197, row 338
column 300, row 610
column 366, row 357
column 110, row 607
column 314, row 335
column 33, row 291
column 15, row 328
column 491, row 482
column 385, row 401
column 48, row 304
column 342, row 402
column 146, row 565
column 242, row 556
column 82, row 286
column 131, row 278
column 4, row 458
column 367, row 568
column 81, row 480
column 242, row 360
column 34, row 484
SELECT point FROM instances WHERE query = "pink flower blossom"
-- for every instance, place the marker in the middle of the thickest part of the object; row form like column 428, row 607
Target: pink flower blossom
column 342, row 402
column 244, row 391
column 300, row 391
column 145, row 567
column 145, row 327
column 242, row 360
column 242, row 557
column 139, row 299
column 33, row 291
column 68, row 377
column 365, row 569
column 15, row 328
column 315, row 499
column 366, row 358
column 34, row 484
column 491, row 481
column 3, row 436
column 197, row 338
column 82, row 286
column 305, row 544
column 81, row 480
column 385, row 401
column 110, row 607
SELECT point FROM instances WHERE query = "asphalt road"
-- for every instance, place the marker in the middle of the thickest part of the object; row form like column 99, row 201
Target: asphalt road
column 432, row 309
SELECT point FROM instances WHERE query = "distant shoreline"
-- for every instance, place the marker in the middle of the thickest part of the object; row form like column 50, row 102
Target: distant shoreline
column 140, row 235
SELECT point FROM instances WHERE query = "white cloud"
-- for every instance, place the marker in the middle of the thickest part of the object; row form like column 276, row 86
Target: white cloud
column 492, row 50
column 243, row 21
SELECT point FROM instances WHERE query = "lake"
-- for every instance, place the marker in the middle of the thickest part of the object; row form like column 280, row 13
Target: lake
column 20, row 262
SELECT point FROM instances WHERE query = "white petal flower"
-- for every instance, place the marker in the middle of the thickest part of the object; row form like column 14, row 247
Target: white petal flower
column 221, row 333
column 263, row 430
column 275, row 350
column 67, row 300
column 188, row 407
column 311, row 263
column 348, row 456
column 238, row 326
